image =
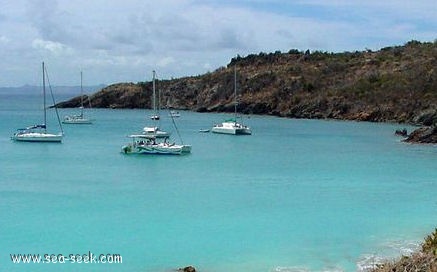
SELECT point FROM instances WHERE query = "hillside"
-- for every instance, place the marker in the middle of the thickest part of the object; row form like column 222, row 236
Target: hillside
column 395, row 84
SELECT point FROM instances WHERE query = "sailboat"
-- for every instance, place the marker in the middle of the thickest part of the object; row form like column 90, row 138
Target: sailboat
column 154, row 141
column 79, row 118
column 231, row 126
column 38, row 133
column 154, row 131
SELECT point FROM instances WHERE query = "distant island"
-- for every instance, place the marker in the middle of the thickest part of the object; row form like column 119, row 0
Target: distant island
column 394, row 84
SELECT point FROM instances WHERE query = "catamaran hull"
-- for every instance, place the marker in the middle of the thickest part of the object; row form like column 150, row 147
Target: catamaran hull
column 231, row 131
column 38, row 137
column 157, row 149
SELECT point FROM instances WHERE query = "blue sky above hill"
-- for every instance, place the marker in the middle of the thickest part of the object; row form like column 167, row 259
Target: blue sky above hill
column 123, row 41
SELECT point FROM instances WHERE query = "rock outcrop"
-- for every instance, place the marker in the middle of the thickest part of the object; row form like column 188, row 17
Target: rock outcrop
column 425, row 135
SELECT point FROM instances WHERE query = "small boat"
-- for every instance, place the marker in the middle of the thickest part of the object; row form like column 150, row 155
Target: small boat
column 143, row 144
column 231, row 126
column 174, row 114
column 203, row 130
column 38, row 133
column 78, row 118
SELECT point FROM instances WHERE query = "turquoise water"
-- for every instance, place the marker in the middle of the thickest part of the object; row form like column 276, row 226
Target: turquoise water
column 297, row 195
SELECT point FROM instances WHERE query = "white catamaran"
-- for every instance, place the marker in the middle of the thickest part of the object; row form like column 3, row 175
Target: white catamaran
column 78, row 118
column 231, row 126
column 38, row 133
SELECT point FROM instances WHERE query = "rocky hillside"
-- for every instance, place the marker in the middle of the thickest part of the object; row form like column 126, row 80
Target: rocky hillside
column 396, row 84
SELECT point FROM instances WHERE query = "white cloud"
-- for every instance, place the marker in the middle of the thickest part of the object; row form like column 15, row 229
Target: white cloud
column 52, row 47
column 125, row 40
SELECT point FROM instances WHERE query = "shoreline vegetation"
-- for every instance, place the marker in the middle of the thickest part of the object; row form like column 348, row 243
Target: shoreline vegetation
column 394, row 84
column 424, row 260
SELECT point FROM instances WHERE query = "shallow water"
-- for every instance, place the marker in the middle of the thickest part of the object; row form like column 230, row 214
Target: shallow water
column 297, row 195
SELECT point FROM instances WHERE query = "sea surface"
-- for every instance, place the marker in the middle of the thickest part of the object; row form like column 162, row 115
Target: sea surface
column 297, row 195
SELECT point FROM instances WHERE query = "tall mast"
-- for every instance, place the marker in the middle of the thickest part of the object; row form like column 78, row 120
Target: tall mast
column 81, row 95
column 44, row 95
column 154, row 95
column 235, row 93
column 158, row 107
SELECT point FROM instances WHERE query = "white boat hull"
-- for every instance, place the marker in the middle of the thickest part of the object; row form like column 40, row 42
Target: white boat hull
column 157, row 149
column 232, row 129
column 37, row 137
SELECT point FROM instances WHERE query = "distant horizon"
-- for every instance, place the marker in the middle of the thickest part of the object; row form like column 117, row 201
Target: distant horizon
column 60, row 89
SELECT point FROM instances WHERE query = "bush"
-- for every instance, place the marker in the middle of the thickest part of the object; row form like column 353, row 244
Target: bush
column 430, row 245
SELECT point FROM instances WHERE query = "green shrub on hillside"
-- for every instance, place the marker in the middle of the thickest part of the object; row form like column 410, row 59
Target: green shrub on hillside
column 430, row 245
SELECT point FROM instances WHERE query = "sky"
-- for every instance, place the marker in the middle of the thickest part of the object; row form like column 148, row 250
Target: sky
column 115, row 41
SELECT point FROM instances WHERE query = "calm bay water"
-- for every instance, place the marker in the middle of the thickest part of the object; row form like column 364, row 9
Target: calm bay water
column 296, row 195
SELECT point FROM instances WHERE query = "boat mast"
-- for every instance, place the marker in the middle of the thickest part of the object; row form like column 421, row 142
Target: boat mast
column 81, row 95
column 235, row 94
column 44, row 96
column 154, row 94
column 159, row 104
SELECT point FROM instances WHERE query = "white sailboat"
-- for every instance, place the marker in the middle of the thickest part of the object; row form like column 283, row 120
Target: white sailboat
column 78, row 118
column 155, row 141
column 38, row 133
column 154, row 131
column 231, row 126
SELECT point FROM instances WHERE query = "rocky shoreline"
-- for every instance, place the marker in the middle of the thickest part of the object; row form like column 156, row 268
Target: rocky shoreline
column 424, row 260
column 395, row 84
column 425, row 135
